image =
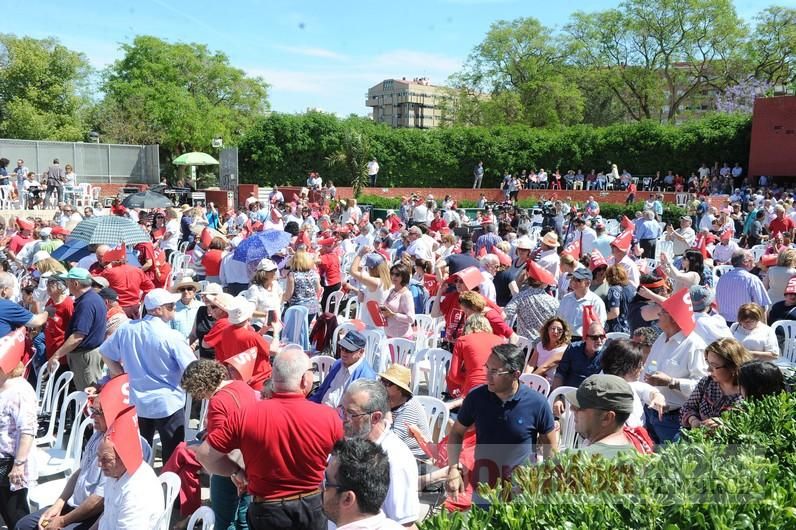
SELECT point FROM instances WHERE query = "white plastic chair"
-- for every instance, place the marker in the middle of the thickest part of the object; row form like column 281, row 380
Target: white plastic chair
column 524, row 343
column 351, row 309
column 434, row 363
column 437, row 414
column 40, row 387
column 341, row 329
column 788, row 348
column 376, row 351
column 83, row 195
column 335, row 301
column 537, row 382
column 664, row 247
column 612, row 227
column 171, row 488
column 568, row 437
column 424, row 330
column 190, row 430
column 60, row 458
column 300, row 326
column 402, row 350
column 758, row 251
column 617, row 335
column 204, row 514
column 719, row 270
column 57, row 394
column 322, row 365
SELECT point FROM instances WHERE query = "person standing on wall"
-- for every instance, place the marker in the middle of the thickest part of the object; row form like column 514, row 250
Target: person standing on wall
column 373, row 172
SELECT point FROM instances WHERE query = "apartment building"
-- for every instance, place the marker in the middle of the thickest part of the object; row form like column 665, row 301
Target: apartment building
column 412, row 103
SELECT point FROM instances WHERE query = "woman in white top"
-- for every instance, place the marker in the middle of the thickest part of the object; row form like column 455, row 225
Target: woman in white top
column 266, row 295
column 555, row 336
column 693, row 266
column 778, row 276
column 754, row 334
column 375, row 281
column 172, row 236
column 70, row 178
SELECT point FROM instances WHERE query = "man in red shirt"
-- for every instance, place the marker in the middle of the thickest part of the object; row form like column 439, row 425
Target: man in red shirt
column 60, row 307
column 130, row 283
column 781, row 224
column 22, row 237
column 393, row 222
column 285, row 442
column 438, row 223
column 329, row 268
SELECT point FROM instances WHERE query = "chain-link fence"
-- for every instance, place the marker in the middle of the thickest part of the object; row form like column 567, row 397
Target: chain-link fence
column 93, row 163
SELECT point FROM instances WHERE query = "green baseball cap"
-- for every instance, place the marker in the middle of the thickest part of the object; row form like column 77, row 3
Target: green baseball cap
column 75, row 273
column 603, row 392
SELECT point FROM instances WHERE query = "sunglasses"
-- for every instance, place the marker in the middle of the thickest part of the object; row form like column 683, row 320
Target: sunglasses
column 597, row 337
column 185, row 289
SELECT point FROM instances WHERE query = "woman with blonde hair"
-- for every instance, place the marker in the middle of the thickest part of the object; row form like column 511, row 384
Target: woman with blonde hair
column 50, row 265
column 719, row 390
column 470, row 352
column 754, row 334
column 374, row 276
column 778, row 276
column 303, row 284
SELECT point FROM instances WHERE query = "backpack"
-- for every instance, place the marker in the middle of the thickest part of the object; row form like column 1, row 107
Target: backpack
column 322, row 331
column 419, row 295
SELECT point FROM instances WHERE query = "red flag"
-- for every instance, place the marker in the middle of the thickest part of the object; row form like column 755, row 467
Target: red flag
column 597, row 260
column 12, row 348
column 205, row 238
column 702, row 245
column 116, row 254
column 589, row 316
column 680, row 309
column 243, row 363
column 123, row 433
column 573, row 249
column 623, row 241
column 375, row 313
column 115, row 397
column 627, row 224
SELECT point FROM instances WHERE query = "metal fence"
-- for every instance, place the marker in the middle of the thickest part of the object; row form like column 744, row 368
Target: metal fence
column 93, row 163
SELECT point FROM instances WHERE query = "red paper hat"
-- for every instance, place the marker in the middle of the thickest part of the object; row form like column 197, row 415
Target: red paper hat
column 589, row 316
column 205, row 238
column 158, row 233
column 768, row 260
column 24, row 224
column 276, row 214
column 504, row 258
column 627, row 224
column 726, row 235
column 680, row 309
column 539, row 273
column 58, row 230
column 623, row 241
column 597, row 260
column 327, row 242
column 471, row 277
column 115, row 397
column 573, row 249
column 257, row 226
column 123, row 433
column 12, row 348
column 375, row 313
column 482, row 252
column 243, row 363
column 702, row 245
column 115, row 254
column 791, row 287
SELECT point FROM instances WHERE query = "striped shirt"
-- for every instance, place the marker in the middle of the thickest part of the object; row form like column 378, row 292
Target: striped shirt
column 411, row 413
column 533, row 306
column 736, row 288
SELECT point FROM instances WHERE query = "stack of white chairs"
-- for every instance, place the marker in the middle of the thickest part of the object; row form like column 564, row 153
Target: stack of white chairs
column 568, row 437
column 59, row 457
column 321, row 364
column 432, row 366
column 438, row 415
column 171, row 488
column 788, row 327
column 204, row 514
column 617, row 335
column 55, row 393
column 424, row 331
column 402, row 351
column 376, row 351
column 758, row 251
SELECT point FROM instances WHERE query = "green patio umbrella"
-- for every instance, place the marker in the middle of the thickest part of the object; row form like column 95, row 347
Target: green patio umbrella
column 195, row 159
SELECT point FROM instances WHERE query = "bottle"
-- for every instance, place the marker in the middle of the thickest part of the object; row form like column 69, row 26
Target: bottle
column 652, row 367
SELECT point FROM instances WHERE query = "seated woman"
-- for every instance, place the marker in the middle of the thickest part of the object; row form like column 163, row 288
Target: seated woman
column 719, row 390
column 555, row 337
column 758, row 379
column 754, row 334
column 470, row 352
column 405, row 411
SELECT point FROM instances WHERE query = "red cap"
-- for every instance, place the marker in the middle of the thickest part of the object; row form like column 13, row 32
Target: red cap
column 24, row 224
column 539, row 273
column 123, row 433
column 573, row 249
column 115, row 397
column 471, row 277
column 680, row 309
column 205, row 238
column 115, row 254
column 597, row 260
column 12, row 348
column 623, row 241
column 791, row 287
column 504, row 258
column 243, row 363
column 375, row 313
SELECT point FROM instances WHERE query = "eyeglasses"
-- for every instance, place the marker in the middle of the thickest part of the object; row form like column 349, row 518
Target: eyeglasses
column 345, row 414
column 597, row 337
column 325, row 484
column 185, row 289
column 387, row 383
column 491, row 372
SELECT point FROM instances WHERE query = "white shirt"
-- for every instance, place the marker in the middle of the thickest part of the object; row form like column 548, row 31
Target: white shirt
column 232, row 270
column 762, row 338
column 401, row 504
column 681, row 245
column 376, row 522
column 550, row 260
column 173, row 228
column 420, row 214
column 711, row 327
column 723, row 253
column 488, row 286
column 340, row 382
column 633, row 274
column 571, row 310
column 373, row 167
column 132, row 502
column 682, row 358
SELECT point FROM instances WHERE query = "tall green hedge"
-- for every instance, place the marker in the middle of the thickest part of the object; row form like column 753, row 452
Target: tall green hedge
column 283, row 148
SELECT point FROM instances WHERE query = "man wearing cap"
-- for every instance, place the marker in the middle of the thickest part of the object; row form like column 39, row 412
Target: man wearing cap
column 351, row 366
column 547, row 254
column 86, row 330
column 22, row 237
column 510, row 419
column 683, row 238
column 116, row 315
column 46, row 242
column 619, row 254
column 533, row 306
column 364, row 409
column 602, row 404
column 572, row 304
column 711, row 327
column 739, row 286
column 285, row 463
column 130, row 283
column 154, row 356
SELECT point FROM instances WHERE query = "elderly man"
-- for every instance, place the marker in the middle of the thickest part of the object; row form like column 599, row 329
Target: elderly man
column 781, row 224
column 602, row 404
column 364, row 411
column 13, row 315
column 722, row 253
column 154, row 356
column 683, row 238
column 580, row 360
column 711, row 327
column 85, row 332
column 571, row 308
column 355, row 485
column 130, row 283
column 285, row 442
column 739, row 286
column 489, row 267
column 351, row 366
column 675, row 364
column 648, row 232
column 510, row 419
column 533, row 306
column 489, row 239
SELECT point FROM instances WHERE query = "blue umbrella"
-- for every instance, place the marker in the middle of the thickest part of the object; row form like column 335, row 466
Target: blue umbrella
column 73, row 250
column 261, row 245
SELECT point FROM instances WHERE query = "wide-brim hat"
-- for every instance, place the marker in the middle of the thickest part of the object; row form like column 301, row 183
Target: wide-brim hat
column 185, row 281
column 551, row 239
column 398, row 375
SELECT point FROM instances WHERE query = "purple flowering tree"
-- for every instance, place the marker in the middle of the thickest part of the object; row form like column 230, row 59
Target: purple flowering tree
column 740, row 98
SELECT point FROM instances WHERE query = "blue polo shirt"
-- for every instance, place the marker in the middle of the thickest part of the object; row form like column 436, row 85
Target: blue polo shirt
column 89, row 319
column 12, row 316
column 506, row 432
column 575, row 366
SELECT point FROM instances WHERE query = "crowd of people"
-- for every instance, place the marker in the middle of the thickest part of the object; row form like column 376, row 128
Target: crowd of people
column 516, row 294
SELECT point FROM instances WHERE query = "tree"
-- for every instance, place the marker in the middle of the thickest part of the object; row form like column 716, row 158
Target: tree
column 771, row 50
column 515, row 76
column 179, row 95
column 42, row 90
column 353, row 155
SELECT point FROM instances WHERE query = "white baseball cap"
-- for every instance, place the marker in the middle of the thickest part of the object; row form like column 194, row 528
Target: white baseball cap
column 159, row 297
column 240, row 310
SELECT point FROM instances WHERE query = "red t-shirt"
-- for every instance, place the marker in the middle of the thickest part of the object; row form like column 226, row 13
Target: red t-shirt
column 450, row 302
column 211, row 261
column 130, row 283
column 17, row 242
column 778, row 226
column 285, row 442
column 55, row 329
column 329, row 268
column 233, row 397
column 393, row 224
column 438, row 224
column 232, row 340
column 470, row 353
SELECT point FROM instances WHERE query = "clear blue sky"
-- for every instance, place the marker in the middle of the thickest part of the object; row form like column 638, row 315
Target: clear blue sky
column 314, row 54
